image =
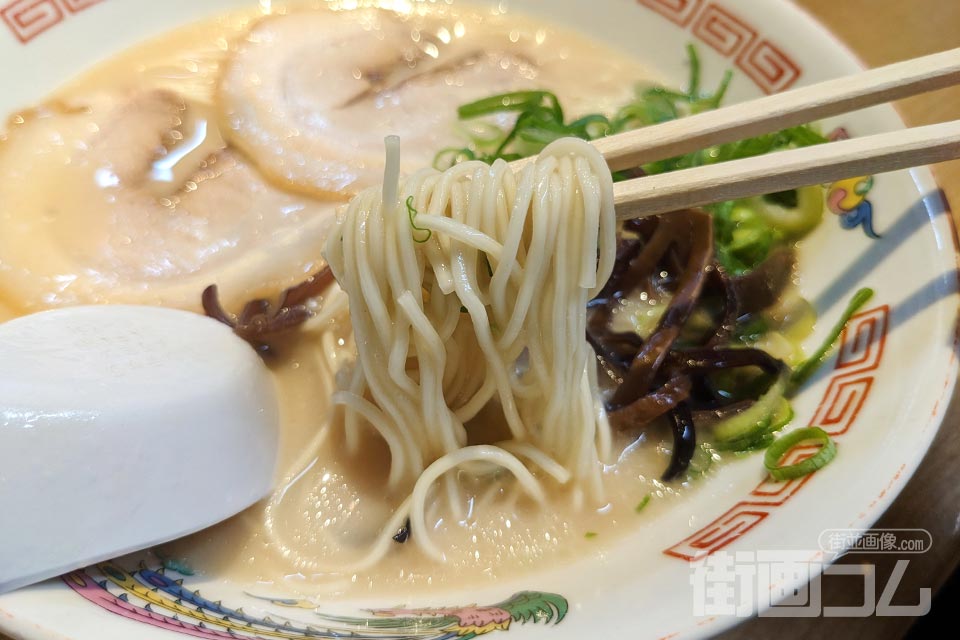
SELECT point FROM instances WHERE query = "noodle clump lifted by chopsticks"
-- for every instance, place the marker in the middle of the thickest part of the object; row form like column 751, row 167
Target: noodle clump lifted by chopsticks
column 467, row 287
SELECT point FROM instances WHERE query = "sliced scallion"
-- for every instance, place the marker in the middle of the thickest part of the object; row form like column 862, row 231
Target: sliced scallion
column 643, row 503
column 754, row 421
column 514, row 101
column 412, row 213
column 793, row 220
column 805, row 369
column 782, row 445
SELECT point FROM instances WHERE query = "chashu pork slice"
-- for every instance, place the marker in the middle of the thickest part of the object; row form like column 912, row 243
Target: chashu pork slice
column 134, row 198
column 310, row 96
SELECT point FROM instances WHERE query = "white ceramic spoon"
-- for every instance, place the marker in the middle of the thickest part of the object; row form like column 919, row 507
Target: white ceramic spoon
column 122, row 427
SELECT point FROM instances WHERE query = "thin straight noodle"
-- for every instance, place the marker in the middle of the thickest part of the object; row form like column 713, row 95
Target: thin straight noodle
column 453, row 434
column 473, row 406
column 535, row 257
column 538, row 457
column 447, row 309
column 332, row 307
column 496, row 455
column 374, row 417
column 391, row 171
column 466, row 291
column 591, row 212
column 462, row 233
column 380, row 548
column 557, row 324
column 511, row 246
column 397, row 362
column 395, row 268
column 351, row 419
column 537, row 357
column 456, row 376
column 439, row 336
column 604, row 433
column 394, row 400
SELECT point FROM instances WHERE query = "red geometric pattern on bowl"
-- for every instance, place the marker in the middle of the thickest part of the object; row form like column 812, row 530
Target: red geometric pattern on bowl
column 734, row 37
column 678, row 11
column 723, row 31
column 768, row 66
column 75, row 6
column 859, row 355
column 27, row 19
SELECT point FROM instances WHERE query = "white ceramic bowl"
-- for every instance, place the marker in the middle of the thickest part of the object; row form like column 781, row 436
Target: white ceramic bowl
column 883, row 397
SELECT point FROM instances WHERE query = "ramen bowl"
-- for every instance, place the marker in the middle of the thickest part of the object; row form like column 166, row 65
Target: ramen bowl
column 656, row 581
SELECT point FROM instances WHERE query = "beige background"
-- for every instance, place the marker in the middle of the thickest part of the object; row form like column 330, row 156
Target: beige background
column 883, row 31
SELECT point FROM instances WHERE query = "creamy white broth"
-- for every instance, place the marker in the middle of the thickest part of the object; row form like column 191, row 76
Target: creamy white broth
column 335, row 507
column 127, row 242
column 112, row 264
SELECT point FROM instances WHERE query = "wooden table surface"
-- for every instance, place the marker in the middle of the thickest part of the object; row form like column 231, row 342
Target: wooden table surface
column 880, row 32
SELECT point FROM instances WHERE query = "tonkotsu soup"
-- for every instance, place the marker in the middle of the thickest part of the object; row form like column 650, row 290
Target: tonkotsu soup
column 225, row 153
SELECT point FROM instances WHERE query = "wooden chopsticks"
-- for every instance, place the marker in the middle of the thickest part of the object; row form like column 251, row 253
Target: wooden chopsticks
column 782, row 110
column 785, row 169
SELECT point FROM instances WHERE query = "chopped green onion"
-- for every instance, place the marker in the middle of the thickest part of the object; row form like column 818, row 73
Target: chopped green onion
column 590, row 535
column 713, row 102
column 750, row 427
column 792, row 220
column 805, row 136
column 751, row 329
column 483, row 133
column 780, row 447
column 786, row 199
column 643, row 503
column 540, row 121
column 702, row 461
column 782, row 415
column 759, row 443
column 743, row 237
column 693, row 86
column 412, row 213
column 450, row 156
column 654, row 106
column 592, row 126
column 514, row 101
column 805, row 369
